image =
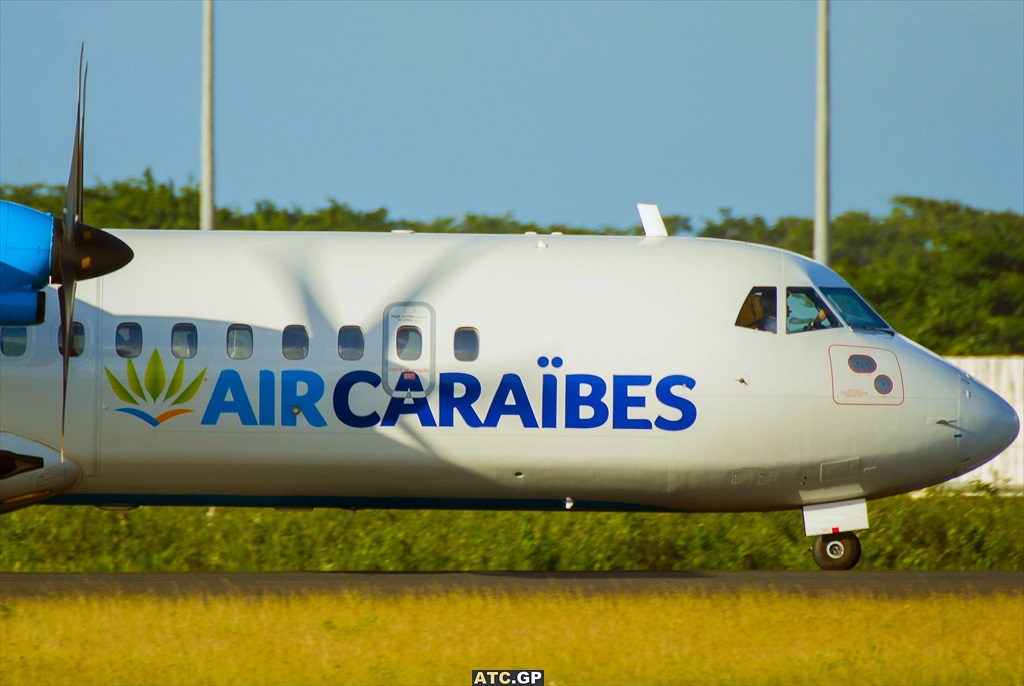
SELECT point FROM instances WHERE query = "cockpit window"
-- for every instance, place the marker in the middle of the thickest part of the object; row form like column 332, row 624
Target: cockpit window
column 857, row 313
column 806, row 311
column 759, row 310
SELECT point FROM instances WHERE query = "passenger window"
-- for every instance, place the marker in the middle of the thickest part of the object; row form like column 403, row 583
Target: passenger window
column 759, row 309
column 467, row 344
column 239, row 341
column 77, row 339
column 128, row 339
column 184, row 341
column 295, row 342
column 409, row 343
column 13, row 341
column 806, row 311
column 350, row 343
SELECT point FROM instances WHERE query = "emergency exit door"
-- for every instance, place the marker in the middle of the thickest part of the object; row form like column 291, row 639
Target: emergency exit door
column 408, row 350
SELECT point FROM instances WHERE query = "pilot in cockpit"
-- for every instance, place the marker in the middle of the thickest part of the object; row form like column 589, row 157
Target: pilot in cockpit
column 767, row 322
column 759, row 310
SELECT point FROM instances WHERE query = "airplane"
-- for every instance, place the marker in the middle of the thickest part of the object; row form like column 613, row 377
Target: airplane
column 515, row 372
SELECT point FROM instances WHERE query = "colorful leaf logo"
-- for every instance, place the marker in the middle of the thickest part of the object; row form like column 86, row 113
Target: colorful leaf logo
column 147, row 391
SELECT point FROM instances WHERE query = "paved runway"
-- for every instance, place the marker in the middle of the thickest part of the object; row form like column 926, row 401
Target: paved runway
column 817, row 583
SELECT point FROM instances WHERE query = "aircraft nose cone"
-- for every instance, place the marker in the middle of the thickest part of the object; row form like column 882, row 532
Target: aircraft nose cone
column 988, row 425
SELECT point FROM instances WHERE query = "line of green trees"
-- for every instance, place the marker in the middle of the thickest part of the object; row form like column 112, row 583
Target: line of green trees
column 949, row 276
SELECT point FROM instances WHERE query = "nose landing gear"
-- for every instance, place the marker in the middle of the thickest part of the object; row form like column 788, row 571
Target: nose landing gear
column 832, row 525
column 836, row 551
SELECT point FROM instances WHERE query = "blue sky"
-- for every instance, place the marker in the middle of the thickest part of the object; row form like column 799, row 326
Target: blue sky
column 556, row 112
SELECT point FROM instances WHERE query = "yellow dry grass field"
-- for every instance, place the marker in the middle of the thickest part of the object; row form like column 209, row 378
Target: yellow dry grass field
column 674, row 638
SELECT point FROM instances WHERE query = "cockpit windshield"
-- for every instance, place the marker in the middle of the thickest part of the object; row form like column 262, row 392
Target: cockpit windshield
column 805, row 311
column 854, row 310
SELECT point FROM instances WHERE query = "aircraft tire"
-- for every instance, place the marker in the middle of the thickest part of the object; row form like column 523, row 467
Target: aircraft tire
column 836, row 551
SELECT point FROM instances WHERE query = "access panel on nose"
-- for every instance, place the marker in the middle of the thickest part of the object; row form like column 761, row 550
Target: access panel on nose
column 865, row 376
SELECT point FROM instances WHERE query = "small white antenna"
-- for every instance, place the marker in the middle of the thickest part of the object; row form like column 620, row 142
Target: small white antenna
column 650, row 215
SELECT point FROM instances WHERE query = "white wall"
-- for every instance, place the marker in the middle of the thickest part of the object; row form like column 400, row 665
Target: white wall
column 1004, row 375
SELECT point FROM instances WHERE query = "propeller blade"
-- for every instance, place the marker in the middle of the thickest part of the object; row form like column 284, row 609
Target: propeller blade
column 73, row 193
column 80, row 251
column 80, row 192
column 66, row 299
column 67, row 256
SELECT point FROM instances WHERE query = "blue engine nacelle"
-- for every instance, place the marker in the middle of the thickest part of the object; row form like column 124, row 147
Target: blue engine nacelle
column 26, row 244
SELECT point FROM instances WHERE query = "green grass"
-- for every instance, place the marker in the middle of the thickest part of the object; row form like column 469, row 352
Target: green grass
column 672, row 638
column 936, row 532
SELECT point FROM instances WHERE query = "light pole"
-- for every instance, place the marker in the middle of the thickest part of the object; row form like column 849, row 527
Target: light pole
column 206, row 208
column 821, row 167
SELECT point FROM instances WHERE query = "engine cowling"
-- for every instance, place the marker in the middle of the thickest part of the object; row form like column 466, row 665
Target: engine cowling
column 31, row 472
column 26, row 247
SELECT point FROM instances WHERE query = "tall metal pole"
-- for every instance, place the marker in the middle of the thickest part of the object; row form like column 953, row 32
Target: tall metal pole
column 206, row 209
column 821, row 167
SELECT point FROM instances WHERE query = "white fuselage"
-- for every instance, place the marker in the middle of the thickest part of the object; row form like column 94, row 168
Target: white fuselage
column 610, row 371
